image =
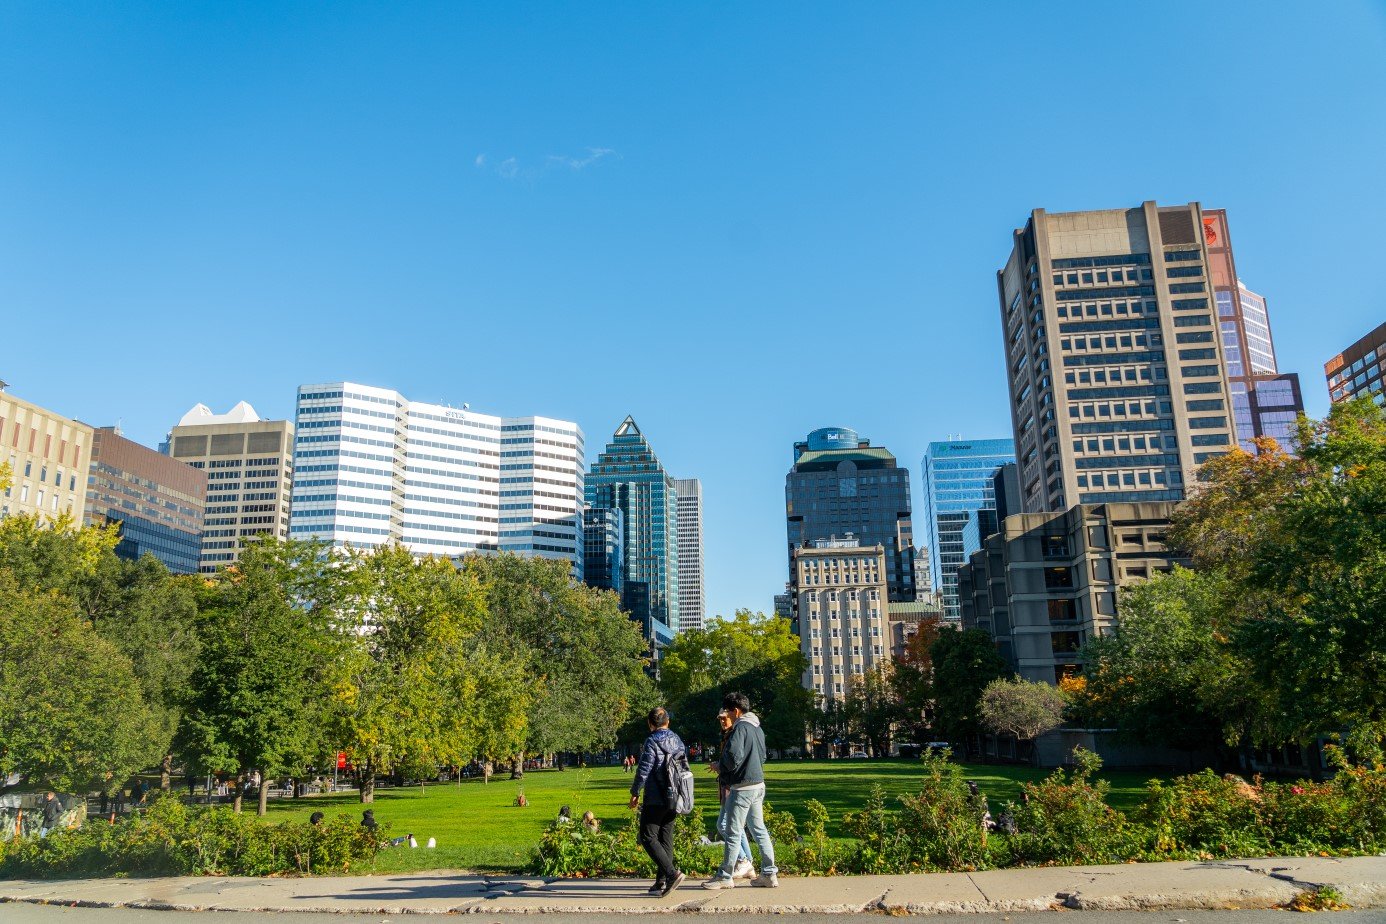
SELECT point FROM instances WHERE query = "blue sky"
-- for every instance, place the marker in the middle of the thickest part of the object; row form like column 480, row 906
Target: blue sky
column 738, row 222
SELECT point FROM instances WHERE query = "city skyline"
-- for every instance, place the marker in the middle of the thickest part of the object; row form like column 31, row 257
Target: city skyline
column 406, row 203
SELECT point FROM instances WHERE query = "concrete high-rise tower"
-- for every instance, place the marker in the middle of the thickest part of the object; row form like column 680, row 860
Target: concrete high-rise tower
column 1118, row 385
column 250, row 468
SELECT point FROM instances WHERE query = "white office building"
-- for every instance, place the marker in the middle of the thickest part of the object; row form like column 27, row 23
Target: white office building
column 374, row 467
column 692, row 605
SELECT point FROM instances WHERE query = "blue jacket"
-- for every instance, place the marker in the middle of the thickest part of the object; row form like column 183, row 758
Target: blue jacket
column 654, row 758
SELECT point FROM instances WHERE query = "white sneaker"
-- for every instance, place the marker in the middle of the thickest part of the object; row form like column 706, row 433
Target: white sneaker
column 744, row 870
column 717, row 882
column 766, row 881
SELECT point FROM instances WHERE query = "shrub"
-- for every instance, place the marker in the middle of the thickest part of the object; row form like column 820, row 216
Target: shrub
column 1202, row 815
column 1064, row 820
column 172, row 839
column 943, row 826
column 1309, row 817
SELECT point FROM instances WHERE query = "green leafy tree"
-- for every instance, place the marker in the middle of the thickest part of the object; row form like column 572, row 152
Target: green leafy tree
column 870, row 710
column 418, row 687
column 912, row 681
column 1302, row 542
column 585, row 657
column 147, row 613
column 964, row 662
column 749, row 653
column 260, row 690
column 72, row 716
column 1022, row 708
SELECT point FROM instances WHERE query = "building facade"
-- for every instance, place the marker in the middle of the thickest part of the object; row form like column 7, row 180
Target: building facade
column 604, row 549
column 1118, row 385
column 48, row 455
column 903, row 621
column 1357, row 370
column 627, row 476
column 1046, row 583
column 1265, row 402
column 158, row 503
column 958, row 481
column 841, row 484
column 692, row 595
column 374, row 467
column 841, row 590
column 249, row 465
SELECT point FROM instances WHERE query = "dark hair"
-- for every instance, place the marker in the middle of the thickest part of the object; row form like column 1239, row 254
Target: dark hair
column 565, row 812
column 315, row 818
column 736, row 701
column 658, row 717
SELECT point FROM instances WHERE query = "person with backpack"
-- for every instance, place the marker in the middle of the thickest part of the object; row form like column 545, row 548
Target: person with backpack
column 659, row 761
column 741, row 768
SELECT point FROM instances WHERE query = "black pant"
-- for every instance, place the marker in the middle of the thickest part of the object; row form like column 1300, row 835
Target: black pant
column 657, row 837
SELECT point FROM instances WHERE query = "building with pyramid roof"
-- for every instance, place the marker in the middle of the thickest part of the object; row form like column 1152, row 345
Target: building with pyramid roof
column 628, row 477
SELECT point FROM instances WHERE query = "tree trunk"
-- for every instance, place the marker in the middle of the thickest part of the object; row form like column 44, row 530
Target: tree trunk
column 262, row 808
column 236, row 803
column 487, row 768
column 517, row 769
column 166, row 773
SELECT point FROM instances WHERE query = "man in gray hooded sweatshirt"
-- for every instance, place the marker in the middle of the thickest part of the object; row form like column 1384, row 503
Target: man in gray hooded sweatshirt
column 742, row 770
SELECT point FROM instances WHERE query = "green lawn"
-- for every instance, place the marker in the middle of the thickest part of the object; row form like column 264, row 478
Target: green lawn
column 478, row 827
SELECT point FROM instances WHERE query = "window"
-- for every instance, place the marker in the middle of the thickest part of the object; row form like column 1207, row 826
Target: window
column 1060, row 610
column 1058, row 578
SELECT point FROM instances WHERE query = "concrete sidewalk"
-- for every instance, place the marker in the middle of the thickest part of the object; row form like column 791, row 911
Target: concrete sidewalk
column 1229, row 884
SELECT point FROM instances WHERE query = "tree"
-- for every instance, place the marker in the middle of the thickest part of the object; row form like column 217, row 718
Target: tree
column 419, row 687
column 147, row 613
column 870, row 710
column 749, row 653
column 259, row 692
column 1023, row 708
column 1166, row 675
column 1303, row 544
column 71, row 712
column 912, row 680
column 964, row 663
column 586, row 658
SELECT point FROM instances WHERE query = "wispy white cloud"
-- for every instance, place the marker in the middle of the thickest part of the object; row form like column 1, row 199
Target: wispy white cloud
column 511, row 168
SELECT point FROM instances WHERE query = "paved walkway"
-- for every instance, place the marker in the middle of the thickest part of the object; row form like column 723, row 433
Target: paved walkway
column 1234, row 883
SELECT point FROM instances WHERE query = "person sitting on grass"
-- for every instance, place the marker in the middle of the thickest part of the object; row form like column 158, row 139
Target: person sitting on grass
column 565, row 816
column 590, row 822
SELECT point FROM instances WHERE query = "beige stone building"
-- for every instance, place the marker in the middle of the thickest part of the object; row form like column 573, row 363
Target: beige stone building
column 250, row 466
column 48, row 455
column 1118, row 388
column 1048, row 582
column 840, row 588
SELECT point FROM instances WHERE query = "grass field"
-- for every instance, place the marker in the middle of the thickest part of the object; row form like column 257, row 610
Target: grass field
column 478, row 827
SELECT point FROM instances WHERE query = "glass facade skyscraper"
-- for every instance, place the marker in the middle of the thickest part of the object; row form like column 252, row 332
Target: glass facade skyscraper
column 628, row 477
column 958, row 480
column 841, row 484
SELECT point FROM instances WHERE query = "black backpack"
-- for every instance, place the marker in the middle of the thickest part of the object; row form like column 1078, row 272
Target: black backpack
column 678, row 778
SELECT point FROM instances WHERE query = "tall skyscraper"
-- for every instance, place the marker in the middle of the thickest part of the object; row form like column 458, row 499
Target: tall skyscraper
column 1118, row 386
column 958, row 482
column 692, row 605
column 628, row 477
column 157, row 502
column 374, row 467
column 841, row 484
column 48, row 455
column 250, row 469
column 1265, row 401
column 1357, row 370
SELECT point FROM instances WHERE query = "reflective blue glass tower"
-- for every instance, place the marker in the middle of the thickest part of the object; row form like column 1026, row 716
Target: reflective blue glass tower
column 628, row 477
column 957, row 481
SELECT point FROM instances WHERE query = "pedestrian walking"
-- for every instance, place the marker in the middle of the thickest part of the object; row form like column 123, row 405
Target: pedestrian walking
column 52, row 812
column 741, row 768
column 744, row 867
column 657, row 815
